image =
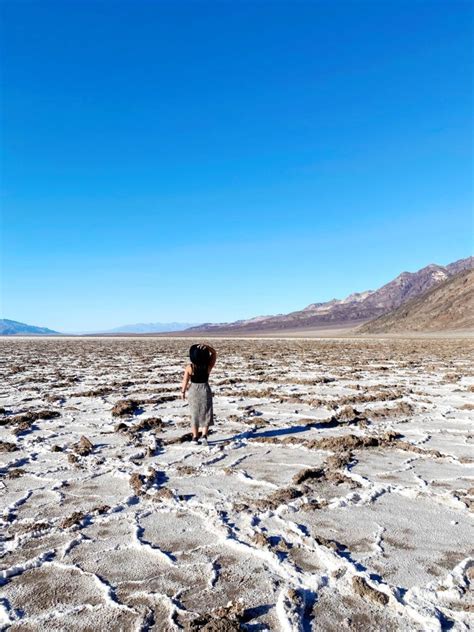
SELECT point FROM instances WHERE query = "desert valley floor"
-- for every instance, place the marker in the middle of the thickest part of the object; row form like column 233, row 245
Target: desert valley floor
column 336, row 491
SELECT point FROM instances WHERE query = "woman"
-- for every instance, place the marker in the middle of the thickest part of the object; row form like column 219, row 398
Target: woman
column 203, row 358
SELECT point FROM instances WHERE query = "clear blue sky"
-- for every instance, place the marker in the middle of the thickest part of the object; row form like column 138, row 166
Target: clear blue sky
column 191, row 161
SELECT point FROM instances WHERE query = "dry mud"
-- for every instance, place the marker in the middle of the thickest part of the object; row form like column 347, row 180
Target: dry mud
column 336, row 491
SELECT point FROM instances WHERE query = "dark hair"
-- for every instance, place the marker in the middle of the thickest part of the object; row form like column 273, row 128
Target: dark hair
column 200, row 357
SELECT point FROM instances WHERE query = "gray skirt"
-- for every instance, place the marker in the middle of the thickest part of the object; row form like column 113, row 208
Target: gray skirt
column 200, row 404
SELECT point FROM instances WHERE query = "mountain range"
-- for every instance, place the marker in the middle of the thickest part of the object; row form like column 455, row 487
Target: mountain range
column 351, row 311
column 11, row 327
column 433, row 298
column 148, row 328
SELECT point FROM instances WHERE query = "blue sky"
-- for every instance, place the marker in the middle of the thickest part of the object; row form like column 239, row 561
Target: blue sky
column 193, row 161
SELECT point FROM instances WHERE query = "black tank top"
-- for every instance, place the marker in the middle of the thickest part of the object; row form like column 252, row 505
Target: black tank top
column 200, row 375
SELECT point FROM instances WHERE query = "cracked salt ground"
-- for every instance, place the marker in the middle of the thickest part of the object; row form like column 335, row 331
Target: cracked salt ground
column 294, row 518
column 420, row 540
column 435, row 478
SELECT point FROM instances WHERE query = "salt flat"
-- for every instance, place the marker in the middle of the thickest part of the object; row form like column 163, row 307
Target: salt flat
column 336, row 491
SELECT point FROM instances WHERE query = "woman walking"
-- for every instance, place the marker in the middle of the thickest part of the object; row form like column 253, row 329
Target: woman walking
column 203, row 358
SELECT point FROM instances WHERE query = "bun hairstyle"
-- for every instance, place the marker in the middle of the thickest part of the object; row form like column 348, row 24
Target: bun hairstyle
column 200, row 358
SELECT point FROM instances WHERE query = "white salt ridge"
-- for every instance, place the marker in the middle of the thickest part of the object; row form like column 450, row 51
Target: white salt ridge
column 250, row 480
column 140, row 543
column 104, row 587
column 288, row 615
column 9, row 512
column 214, row 573
column 67, row 548
column 18, row 569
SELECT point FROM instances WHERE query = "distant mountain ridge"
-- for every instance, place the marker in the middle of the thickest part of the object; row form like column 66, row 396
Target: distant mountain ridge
column 13, row 327
column 148, row 328
column 447, row 306
column 353, row 310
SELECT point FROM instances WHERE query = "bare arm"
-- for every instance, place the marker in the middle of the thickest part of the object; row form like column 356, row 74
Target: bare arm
column 185, row 382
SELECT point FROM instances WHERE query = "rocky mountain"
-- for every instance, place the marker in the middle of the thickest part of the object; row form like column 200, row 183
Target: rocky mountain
column 12, row 327
column 460, row 265
column 353, row 310
column 447, row 306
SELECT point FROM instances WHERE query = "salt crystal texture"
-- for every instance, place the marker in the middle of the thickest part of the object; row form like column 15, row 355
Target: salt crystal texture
column 336, row 490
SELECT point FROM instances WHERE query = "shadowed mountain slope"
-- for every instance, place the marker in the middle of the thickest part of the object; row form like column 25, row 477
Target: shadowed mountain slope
column 448, row 306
